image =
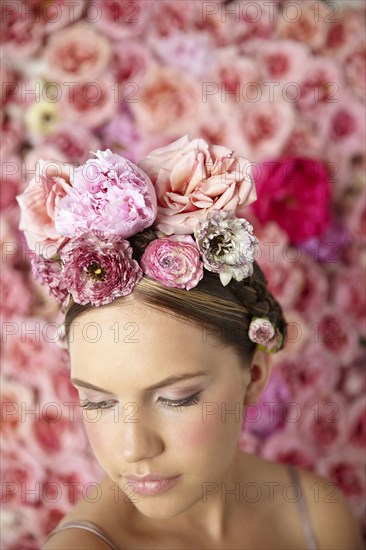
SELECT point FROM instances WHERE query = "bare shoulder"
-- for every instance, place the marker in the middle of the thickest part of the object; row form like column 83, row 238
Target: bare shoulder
column 333, row 519
column 99, row 507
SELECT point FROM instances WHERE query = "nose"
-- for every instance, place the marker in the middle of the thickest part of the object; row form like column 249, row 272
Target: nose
column 140, row 439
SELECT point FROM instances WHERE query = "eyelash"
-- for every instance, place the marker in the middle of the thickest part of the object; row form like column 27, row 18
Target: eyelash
column 187, row 402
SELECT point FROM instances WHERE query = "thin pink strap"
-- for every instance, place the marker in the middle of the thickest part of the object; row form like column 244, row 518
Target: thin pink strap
column 87, row 526
column 304, row 511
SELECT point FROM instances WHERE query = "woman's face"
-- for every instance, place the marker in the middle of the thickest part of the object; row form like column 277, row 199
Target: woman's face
column 129, row 350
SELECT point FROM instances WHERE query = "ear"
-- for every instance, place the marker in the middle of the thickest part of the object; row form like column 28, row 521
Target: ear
column 259, row 373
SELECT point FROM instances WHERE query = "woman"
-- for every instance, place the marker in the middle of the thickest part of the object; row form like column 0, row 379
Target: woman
column 169, row 324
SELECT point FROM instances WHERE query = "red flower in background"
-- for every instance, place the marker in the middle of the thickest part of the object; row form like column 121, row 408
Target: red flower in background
column 295, row 193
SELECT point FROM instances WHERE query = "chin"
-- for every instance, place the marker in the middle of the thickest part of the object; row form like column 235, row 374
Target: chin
column 159, row 508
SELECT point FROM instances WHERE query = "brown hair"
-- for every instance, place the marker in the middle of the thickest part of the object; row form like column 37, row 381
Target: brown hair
column 225, row 312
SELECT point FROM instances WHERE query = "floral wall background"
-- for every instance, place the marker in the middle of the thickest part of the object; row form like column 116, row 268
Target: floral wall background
column 283, row 84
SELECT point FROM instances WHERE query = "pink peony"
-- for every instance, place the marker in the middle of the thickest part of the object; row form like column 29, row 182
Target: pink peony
column 50, row 274
column 192, row 178
column 109, row 194
column 39, row 205
column 99, row 268
column 169, row 102
column 77, row 54
column 173, row 261
column 295, row 193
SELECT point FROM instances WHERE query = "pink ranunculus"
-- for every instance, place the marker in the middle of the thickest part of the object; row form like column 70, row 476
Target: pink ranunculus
column 98, row 267
column 39, row 206
column 265, row 123
column 120, row 19
column 173, row 261
column 192, row 178
column 295, row 193
column 337, row 334
column 169, row 102
column 287, row 447
column 73, row 142
column 298, row 21
column 21, row 30
column 109, row 194
column 77, row 54
column 90, row 104
column 130, row 62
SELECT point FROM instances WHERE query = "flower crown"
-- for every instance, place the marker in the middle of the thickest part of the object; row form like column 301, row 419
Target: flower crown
column 77, row 222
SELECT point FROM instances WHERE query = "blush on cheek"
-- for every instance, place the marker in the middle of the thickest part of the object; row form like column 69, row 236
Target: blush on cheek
column 98, row 438
column 199, row 432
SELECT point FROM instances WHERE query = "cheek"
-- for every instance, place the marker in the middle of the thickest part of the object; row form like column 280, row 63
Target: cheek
column 99, row 436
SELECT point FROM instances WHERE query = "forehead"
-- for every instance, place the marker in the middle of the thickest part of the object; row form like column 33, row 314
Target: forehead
column 133, row 336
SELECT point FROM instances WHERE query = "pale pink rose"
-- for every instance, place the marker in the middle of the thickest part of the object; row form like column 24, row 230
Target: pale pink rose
column 28, row 348
column 229, row 80
column 119, row 19
column 343, row 127
column 348, row 294
column 11, row 177
column 305, row 140
column 192, row 179
column 266, row 125
column 353, row 383
column 310, row 372
column 346, row 468
column 355, row 69
column 169, row 102
column 337, row 334
column 74, row 142
column 285, row 278
column 20, row 527
column 130, row 61
column 345, row 32
column 298, row 21
column 287, row 447
column 39, row 205
column 237, row 22
column 355, row 217
column 21, row 30
column 15, row 398
column 320, row 420
column 14, row 284
column 313, row 294
column 12, row 135
column 191, row 52
column 90, row 104
column 321, row 87
column 77, row 54
column 279, row 61
column 20, row 473
column 56, row 13
column 45, row 152
column 170, row 17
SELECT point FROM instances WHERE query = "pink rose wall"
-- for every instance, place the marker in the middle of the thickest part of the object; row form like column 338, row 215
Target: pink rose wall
column 283, row 85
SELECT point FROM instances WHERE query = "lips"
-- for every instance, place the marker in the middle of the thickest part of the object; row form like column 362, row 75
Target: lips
column 151, row 484
column 148, row 477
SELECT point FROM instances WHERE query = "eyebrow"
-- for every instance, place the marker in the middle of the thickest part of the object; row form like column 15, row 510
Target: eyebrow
column 166, row 382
